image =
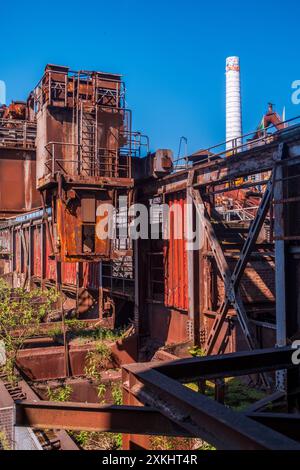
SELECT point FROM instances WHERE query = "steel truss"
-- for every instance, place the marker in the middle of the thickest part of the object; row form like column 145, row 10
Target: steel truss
column 232, row 280
column 157, row 402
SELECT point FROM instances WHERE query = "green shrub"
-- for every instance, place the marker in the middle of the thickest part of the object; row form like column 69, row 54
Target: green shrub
column 60, row 394
column 196, row 351
column 117, row 394
column 101, row 389
column 21, row 313
column 98, row 360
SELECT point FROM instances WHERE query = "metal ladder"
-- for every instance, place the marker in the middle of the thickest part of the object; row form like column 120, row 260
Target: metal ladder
column 88, row 141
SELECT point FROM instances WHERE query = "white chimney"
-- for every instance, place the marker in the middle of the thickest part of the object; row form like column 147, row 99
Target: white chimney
column 233, row 102
column 2, row 92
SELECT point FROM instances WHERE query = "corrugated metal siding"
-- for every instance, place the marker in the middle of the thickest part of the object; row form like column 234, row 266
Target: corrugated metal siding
column 175, row 258
column 68, row 273
column 36, row 252
column 91, row 273
column 25, row 256
column 50, row 263
column 17, row 252
column 5, row 241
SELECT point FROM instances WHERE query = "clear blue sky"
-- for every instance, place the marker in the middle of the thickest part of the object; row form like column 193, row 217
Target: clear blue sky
column 171, row 53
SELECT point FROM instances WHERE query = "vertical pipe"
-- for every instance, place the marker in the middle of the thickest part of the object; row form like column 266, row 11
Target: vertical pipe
column 63, row 323
column 2, row 92
column 42, row 253
column 77, row 287
column 29, row 254
column 190, row 261
column 233, row 103
column 136, row 286
column 280, row 274
column 49, row 88
column 100, row 290
column 53, row 160
column 12, row 265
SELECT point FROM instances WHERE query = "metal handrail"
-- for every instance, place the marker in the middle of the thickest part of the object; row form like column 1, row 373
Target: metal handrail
column 138, row 141
column 240, row 210
column 106, row 163
column 17, row 133
column 80, row 75
column 236, row 148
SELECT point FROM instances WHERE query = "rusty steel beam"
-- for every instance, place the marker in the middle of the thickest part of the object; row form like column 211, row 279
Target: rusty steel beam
column 228, row 365
column 250, row 163
column 91, row 417
column 260, row 405
column 256, row 160
column 230, row 281
column 200, row 415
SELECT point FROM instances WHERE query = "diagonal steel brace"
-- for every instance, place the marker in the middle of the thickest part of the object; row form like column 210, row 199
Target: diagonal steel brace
column 232, row 297
column 232, row 281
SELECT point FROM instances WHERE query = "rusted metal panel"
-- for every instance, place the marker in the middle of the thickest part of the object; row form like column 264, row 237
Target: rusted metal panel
column 17, row 253
column 12, row 187
column 5, row 241
column 175, row 256
column 69, row 273
column 17, row 181
column 50, row 262
column 25, row 250
column 78, row 238
column 36, row 251
column 88, row 209
column 91, row 275
column 102, row 244
column 69, row 231
column 30, row 260
column 6, row 252
column 45, row 363
column 93, row 417
column 168, row 325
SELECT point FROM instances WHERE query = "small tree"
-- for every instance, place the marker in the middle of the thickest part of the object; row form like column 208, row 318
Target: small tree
column 21, row 312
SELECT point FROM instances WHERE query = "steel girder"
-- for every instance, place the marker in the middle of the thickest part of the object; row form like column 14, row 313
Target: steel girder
column 152, row 385
column 232, row 280
column 167, row 407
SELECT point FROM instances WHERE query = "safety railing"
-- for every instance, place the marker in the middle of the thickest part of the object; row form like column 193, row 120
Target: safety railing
column 137, row 144
column 117, row 276
column 107, row 163
column 245, row 142
column 98, row 88
column 238, row 213
column 58, row 162
column 15, row 133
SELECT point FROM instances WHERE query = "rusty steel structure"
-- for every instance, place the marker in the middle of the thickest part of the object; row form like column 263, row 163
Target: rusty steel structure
column 24, row 438
column 76, row 145
column 244, row 202
column 156, row 400
column 69, row 150
column 17, row 159
column 84, row 152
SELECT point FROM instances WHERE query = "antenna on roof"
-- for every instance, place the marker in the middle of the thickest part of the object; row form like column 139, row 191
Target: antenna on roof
column 183, row 139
